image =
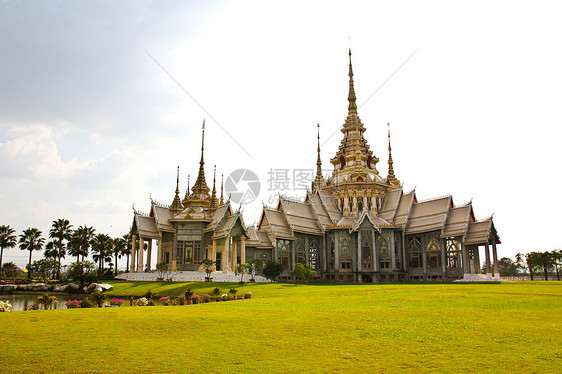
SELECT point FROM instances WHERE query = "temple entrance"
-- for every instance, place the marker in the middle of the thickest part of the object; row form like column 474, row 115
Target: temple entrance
column 366, row 278
column 218, row 261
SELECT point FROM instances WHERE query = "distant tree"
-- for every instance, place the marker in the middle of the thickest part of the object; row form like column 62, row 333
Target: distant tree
column 61, row 231
column 302, row 271
column 164, row 271
column 254, row 266
column 85, row 236
column 272, row 270
column 31, row 240
column 545, row 261
column 11, row 270
column 127, row 250
column 46, row 268
column 119, row 248
column 8, row 239
column 74, row 245
column 80, row 270
column 240, row 270
column 557, row 259
column 507, row 267
column 102, row 249
column 208, row 264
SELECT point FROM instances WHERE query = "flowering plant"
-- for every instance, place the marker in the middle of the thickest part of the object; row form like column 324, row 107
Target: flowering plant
column 181, row 299
column 117, row 302
column 165, row 300
column 32, row 307
column 174, row 301
column 143, row 301
column 224, row 297
column 195, row 299
column 70, row 304
column 248, row 295
column 5, row 306
column 206, row 298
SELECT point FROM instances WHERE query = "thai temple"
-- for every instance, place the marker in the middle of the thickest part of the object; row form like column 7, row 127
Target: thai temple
column 355, row 226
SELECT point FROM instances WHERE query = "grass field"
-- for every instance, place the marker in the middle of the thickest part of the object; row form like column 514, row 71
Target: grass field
column 506, row 327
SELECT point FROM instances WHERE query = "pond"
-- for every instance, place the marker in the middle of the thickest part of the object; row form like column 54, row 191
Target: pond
column 21, row 301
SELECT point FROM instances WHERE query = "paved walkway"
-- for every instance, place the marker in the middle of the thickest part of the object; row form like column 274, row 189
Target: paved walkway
column 190, row 276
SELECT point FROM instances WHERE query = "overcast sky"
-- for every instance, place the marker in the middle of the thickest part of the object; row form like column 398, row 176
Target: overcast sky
column 90, row 124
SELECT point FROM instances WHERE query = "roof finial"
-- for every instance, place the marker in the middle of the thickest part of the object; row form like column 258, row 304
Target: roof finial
column 319, row 178
column 391, row 177
column 214, row 193
column 186, row 197
column 222, row 188
column 176, row 206
column 351, row 97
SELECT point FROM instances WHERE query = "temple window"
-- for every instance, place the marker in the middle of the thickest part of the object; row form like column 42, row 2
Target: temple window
column 284, row 249
column 313, row 246
column 342, row 162
column 454, row 253
column 345, row 264
column 345, row 245
column 300, row 250
column 360, row 205
column 433, row 250
column 415, row 251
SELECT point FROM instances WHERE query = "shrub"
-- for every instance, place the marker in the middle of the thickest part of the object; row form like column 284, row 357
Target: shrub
column 174, row 301
column 233, row 291
column 32, row 307
column 248, row 295
column 195, row 299
column 71, row 304
column 181, row 299
column 87, row 303
column 143, row 301
column 165, row 300
column 5, row 306
column 98, row 298
column 224, row 297
column 216, row 291
column 149, row 294
column 117, row 302
column 206, row 298
column 188, row 293
column 47, row 300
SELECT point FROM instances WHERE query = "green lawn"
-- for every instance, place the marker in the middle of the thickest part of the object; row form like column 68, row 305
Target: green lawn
column 506, row 327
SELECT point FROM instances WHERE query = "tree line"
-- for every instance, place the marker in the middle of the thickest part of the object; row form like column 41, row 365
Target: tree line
column 62, row 240
column 533, row 263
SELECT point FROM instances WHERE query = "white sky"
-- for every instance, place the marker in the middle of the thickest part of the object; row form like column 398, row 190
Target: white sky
column 90, row 124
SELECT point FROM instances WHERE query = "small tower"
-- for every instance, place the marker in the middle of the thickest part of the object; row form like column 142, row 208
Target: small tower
column 176, row 206
column 214, row 201
column 319, row 180
column 200, row 191
column 184, row 202
column 221, row 202
column 391, row 179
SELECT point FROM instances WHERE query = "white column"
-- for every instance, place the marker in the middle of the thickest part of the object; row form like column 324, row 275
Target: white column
column 140, row 268
column 133, row 263
column 488, row 264
column 242, row 249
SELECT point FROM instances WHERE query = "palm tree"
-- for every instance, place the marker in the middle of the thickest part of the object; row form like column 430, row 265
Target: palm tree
column 85, row 236
column 31, row 240
column 102, row 246
column 61, row 230
column 7, row 240
column 127, row 250
column 119, row 248
column 74, row 248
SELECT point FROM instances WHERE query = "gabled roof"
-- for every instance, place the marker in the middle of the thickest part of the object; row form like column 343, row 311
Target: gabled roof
column 162, row 215
column 429, row 215
column 390, row 204
column 404, row 208
column 218, row 216
column 227, row 224
column 257, row 238
column 300, row 216
column 145, row 226
column 375, row 221
column 481, row 232
column 458, row 220
column 319, row 209
column 277, row 222
column 329, row 203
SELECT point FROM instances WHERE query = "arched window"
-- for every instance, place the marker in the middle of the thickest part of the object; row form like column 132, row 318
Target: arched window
column 360, row 206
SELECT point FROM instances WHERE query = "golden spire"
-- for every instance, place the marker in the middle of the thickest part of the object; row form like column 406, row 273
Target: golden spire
column 351, row 97
column 184, row 202
column 391, row 177
column 221, row 202
column 214, row 194
column 176, row 206
column 319, row 178
column 200, row 187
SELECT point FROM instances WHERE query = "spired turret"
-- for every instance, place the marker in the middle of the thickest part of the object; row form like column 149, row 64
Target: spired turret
column 355, row 181
column 199, row 196
column 176, row 206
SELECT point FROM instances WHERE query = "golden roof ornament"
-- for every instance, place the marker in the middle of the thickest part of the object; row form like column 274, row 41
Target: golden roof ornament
column 319, row 180
column 176, row 206
column 214, row 193
column 391, row 177
column 221, row 202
